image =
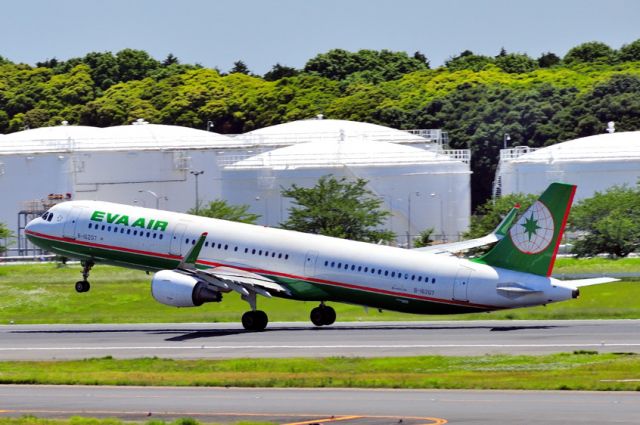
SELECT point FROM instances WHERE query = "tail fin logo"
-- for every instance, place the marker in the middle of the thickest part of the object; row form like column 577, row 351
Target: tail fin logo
column 534, row 230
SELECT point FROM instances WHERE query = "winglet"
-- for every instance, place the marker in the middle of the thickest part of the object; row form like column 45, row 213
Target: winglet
column 507, row 222
column 189, row 260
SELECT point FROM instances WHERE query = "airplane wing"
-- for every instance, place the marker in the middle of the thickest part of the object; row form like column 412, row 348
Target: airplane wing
column 499, row 232
column 228, row 278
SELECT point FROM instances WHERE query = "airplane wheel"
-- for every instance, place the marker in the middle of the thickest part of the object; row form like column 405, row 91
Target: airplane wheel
column 82, row 286
column 316, row 316
column 323, row 316
column 328, row 316
column 255, row 320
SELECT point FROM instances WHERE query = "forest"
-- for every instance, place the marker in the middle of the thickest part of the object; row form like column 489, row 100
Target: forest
column 476, row 98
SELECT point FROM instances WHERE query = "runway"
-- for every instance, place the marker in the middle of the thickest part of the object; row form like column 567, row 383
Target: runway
column 306, row 406
column 41, row 342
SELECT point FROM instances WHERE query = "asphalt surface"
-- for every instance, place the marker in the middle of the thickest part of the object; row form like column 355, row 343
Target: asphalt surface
column 35, row 342
column 307, row 406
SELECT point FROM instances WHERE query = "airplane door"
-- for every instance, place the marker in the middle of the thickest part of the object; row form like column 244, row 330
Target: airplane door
column 461, row 284
column 310, row 263
column 176, row 239
column 69, row 229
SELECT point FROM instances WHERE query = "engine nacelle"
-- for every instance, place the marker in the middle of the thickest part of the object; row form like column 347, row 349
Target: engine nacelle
column 181, row 290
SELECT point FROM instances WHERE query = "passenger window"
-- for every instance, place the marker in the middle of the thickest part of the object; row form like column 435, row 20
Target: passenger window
column 235, row 249
column 246, row 250
column 353, row 267
column 419, row 278
column 333, row 264
column 154, row 236
column 393, row 274
column 280, row 255
column 128, row 231
column 225, row 247
column 185, row 241
column 122, row 230
column 135, row 233
column 89, row 225
column 253, row 251
column 206, row 244
column 433, row 280
column 386, row 272
column 161, row 236
column 103, row 227
column 286, row 257
column 366, row 269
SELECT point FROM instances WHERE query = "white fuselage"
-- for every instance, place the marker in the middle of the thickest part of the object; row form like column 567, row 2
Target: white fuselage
column 313, row 267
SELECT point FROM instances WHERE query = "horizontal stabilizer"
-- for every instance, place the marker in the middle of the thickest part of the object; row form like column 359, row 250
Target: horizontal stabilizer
column 579, row 283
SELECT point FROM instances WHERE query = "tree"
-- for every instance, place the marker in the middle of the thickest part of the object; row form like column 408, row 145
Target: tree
column 418, row 55
column 170, row 60
column 515, row 63
column 239, row 67
column 338, row 208
column 424, row 238
column 468, row 60
column 279, row 72
column 135, row 64
column 222, row 210
column 630, row 52
column 547, row 60
column 591, row 52
column 372, row 65
column 609, row 222
column 4, row 235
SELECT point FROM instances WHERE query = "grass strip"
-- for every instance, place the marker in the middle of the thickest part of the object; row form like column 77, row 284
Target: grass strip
column 565, row 371
column 79, row 420
column 44, row 293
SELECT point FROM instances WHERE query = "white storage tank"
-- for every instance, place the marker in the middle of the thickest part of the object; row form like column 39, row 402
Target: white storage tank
column 320, row 129
column 593, row 163
column 421, row 188
column 141, row 164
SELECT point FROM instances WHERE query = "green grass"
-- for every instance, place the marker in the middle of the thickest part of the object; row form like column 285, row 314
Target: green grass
column 577, row 371
column 596, row 265
column 44, row 293
column 77, row 420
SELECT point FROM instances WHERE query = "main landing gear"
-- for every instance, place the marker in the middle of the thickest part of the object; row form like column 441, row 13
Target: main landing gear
column 254, row 320
column 323, row 315
column 83, row 285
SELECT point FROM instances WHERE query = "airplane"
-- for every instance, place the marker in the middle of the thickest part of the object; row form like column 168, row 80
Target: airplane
column 195, row 260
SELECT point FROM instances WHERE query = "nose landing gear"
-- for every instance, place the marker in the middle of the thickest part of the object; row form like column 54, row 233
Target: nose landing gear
column 83, row 285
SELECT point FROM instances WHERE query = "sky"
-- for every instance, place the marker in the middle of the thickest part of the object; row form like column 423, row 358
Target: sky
column 262, row 33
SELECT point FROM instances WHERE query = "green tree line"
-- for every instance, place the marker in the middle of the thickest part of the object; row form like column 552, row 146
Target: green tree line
column 476, row 98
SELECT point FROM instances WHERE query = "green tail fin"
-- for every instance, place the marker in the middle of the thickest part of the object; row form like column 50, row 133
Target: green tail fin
column 532, row 242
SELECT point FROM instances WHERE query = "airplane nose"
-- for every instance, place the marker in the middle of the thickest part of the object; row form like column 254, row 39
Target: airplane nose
column 33, row 224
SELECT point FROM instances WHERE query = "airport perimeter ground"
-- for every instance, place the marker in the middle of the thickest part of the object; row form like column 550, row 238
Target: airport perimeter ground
column 44, row 294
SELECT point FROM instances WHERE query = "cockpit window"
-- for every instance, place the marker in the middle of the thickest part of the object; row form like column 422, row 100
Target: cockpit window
column 47, row 216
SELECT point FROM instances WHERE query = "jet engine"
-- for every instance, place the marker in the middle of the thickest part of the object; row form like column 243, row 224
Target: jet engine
column 181, row 290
